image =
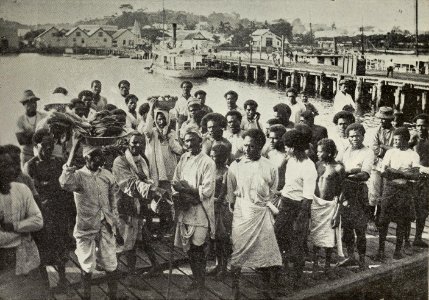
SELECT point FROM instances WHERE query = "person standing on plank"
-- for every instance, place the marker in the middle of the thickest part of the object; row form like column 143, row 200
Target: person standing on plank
column 96, row 194
column 220, row 154
column 291, row 225
column 330, row 175
column 131, row 172
column 357, row 160
column 420, row 144
column 400, row 167
column 251, row 185
column 52, row 240
column 194, row 182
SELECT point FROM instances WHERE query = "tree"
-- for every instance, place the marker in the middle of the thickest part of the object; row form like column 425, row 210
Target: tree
column 126, row 8
column 31, row 35
column 282, row 28
column 241, row 36
column 216, row 39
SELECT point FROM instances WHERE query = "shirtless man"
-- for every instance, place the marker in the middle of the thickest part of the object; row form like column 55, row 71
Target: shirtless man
column 330, row 175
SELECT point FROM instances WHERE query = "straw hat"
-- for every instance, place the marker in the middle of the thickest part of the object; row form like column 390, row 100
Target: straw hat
column 385, row 112
column 28, row 96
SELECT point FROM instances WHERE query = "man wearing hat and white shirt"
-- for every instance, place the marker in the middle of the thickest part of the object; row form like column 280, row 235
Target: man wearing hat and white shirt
column 342, row 98
column 95, row 193
column 26, row 125
column 381, row 142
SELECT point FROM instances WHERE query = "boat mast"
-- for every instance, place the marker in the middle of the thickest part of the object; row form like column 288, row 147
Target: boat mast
column 163, row 21
column 417, row 27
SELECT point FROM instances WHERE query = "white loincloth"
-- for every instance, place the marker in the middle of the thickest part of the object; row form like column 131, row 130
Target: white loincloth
column 321, row 232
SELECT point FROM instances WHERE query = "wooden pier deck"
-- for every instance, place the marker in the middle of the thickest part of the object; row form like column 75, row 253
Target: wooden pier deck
column 405, row 278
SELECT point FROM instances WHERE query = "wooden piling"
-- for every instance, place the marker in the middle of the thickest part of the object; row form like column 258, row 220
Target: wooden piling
column 317, row 85
column 239, row 68
column 257, row 73
column 380, row 86
column 425, row 101
column 279, row 76
column 373, row 98
column 359, row 96
column 288, row 81
column 398, row 97
column 267, row 74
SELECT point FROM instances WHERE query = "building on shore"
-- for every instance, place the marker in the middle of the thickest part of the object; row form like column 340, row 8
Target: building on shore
column 265, row 38
column 125, row 38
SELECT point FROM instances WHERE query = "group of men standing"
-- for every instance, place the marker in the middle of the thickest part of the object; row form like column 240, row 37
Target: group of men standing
column 260, row 190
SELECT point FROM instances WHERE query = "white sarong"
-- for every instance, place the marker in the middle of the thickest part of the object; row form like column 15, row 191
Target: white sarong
column 321, row 232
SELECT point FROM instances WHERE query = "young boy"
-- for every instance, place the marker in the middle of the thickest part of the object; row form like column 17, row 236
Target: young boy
column 400, row 165
column 220, row 154
column 330, row 175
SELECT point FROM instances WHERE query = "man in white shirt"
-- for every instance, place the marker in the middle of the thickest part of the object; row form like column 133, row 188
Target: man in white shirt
column 357, row 160
column 342, row 98
column 296, row 107
column 180, row 111
column 233, row 133
column 342, row 120
column 291, row 225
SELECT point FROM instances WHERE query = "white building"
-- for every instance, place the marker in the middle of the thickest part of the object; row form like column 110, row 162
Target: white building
column 265, row 38
column 77, row 37
column 99, row 38
column 124, row 38
column 51, row 38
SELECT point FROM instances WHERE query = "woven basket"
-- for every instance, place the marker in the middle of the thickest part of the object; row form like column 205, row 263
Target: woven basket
column 103, row 140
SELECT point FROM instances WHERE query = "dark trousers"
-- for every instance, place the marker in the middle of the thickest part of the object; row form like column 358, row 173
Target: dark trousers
column 291, row 228
column 349, row 239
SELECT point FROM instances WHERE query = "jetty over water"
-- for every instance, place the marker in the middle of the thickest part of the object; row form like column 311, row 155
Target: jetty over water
column 394, row 279
column 407, row 92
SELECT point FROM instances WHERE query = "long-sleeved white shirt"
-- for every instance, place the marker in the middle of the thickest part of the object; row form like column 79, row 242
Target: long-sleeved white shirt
column 96, row 196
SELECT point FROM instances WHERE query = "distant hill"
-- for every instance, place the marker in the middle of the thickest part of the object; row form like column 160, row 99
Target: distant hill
column 11, row 24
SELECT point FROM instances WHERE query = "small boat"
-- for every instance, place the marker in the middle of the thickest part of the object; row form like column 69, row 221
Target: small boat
column 180, row 63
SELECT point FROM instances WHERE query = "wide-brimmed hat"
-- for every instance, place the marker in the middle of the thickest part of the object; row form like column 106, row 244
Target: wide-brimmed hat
column 385, row 112
column 342, row 81
column 28, row 96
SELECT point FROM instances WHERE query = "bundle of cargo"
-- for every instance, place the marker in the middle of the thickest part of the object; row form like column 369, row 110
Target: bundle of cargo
column 105, row 129
column 166, row 102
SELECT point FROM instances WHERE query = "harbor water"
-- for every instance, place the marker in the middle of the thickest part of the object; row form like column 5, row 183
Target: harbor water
column 43, row 74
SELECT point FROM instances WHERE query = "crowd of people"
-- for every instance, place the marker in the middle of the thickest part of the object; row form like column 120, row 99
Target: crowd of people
column 255, row 193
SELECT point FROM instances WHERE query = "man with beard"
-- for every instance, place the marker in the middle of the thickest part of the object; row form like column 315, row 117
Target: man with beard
column 26, row 125
column 233, row 133
column 251, row 184
column 215, row 124
column 342, row 120
column 357, row 160
column 251, row 119
column 19, row 216
column 420, row 144
column 99, row 101
column 95, row 194
column 132, row 174
column 194, row 181
column 86, row 97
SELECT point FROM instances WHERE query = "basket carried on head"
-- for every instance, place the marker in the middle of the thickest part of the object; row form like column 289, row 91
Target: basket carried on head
column 103, row 140
column 163, row 102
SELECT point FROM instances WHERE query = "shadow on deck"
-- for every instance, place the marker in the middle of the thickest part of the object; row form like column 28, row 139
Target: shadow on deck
column 397, row 279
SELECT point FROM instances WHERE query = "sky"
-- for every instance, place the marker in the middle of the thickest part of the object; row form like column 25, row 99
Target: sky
column 383, row 14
